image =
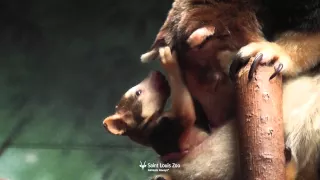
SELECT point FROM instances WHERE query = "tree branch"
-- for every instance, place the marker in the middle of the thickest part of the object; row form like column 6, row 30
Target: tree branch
column 259, row 113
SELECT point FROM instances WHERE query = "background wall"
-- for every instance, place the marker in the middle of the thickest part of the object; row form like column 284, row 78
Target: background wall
column 63, row 66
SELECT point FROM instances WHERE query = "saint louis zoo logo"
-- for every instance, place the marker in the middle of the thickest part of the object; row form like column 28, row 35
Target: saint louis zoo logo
column 158, row 167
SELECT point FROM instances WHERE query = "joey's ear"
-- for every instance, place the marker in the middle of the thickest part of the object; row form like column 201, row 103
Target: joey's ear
column 115, row 124
column 159, row 42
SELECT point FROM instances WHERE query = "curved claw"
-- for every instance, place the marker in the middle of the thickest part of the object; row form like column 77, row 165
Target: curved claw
column 288, row 154
column 277, row 71
column 254, row 65
column 235, row 66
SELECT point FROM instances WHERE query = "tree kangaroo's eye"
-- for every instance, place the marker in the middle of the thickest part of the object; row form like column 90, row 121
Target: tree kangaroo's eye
column 138, row 92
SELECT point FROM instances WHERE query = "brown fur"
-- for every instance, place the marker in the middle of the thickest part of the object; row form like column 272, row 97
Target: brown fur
column 217, row 158
column 229, row 33
column 236, row 25
column 219, row 150
column 140, row 116
column 186, row 16
column 303, row 49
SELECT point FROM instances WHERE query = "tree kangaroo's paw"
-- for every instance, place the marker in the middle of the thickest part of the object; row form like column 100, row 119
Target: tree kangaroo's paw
column 266, row 53
column 199, row 36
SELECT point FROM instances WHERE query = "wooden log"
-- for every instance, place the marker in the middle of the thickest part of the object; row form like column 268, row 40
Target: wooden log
column 259, row 113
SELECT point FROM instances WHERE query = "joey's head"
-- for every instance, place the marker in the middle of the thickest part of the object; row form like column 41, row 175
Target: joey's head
column 140, row 105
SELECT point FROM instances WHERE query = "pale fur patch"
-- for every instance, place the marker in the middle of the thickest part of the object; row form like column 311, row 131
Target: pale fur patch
column 149, row 98
column 301, row 105
column 225, row 59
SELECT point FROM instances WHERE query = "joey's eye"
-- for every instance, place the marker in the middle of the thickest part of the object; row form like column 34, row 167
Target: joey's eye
column 138, row 92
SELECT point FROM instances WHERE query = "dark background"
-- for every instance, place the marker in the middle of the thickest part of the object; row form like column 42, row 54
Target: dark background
column 63, row 67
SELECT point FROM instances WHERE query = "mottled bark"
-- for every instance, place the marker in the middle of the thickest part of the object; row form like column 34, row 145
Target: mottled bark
column 259, row 113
